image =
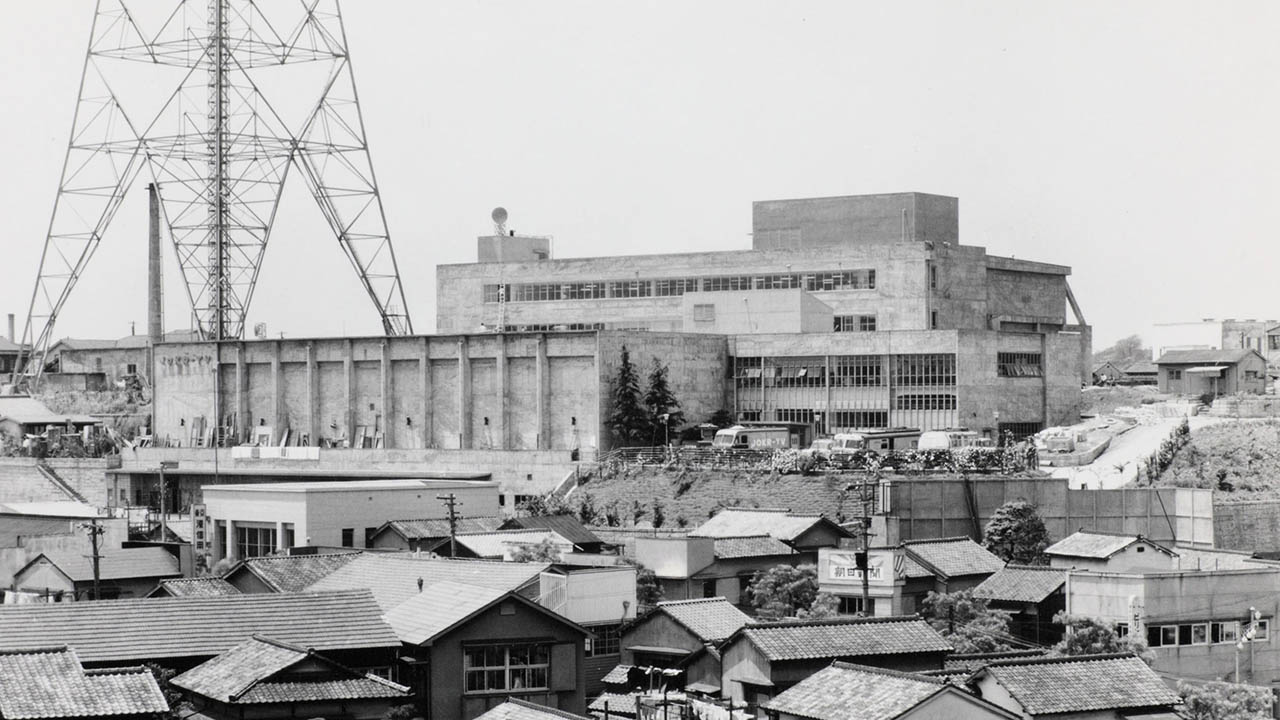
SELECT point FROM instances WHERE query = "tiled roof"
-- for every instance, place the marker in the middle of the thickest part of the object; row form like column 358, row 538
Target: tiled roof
column 616, row 703
column 140, row 629
column 516, row 709
column 954, row 557
column 967, row 663
column 1022, row 583
column 1205, row 356
column 438, row 608
column 619, row 675
column 122, row 564
column 567, row 526
column 436, row 528
column 845, row 637
column 736, row 522
column 1141, row 367
column 832, row 692
column 50, row 682
column 294, row 573
column 711, row 619
column 250, row 673
column 1080, row 684
column 755, row 546
column 393, row 578
column 199, row 587
column 1099, row 546
column 502, row 543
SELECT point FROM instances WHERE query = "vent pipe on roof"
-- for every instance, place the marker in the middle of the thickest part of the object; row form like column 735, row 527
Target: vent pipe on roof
column 11, row 338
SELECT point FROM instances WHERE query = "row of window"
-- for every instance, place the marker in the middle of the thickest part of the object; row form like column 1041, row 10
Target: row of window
column 667, row 287
column 259, row 541
column 1205, row 633
column 941, row 401
column 855, row 323
column 512, row 667
column 838, row 418
column 1011, row 364
column 847, row 371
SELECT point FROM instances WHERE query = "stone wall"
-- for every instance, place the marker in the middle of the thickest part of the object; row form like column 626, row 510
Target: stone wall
column 1248, row 526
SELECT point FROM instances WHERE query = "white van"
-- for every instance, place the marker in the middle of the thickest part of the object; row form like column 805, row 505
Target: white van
column 950, row 439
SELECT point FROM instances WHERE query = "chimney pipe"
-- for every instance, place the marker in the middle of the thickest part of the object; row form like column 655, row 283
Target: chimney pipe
column 155, row 300
column 11, row 338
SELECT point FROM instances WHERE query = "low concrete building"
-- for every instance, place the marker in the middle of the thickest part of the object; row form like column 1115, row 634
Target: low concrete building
column 1212, row 372
column 1110, row 552
column 263, row 678
column 899, row 578
column 122, row 573
column 504, row 644
column 253, row 520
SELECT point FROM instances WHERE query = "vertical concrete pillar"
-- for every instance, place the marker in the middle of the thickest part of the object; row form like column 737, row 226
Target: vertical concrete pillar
column 1045, row 420
column 500, row 422
column 243, row 420
column 389, row 425
column 280, row 536
column 543, row 394
column 464, row 394
column 424, row 372
column 230, row 549
column 278, row 420
column 313, row 396
column 349, row 368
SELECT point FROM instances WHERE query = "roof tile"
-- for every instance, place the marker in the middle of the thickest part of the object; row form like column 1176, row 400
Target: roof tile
column 954, row 557
column 1022, row 583
column 845, row 637
column 737, row 522
column 199, row 587
column 438, row 608
column 567, row 526
column 832, row 692
column 1099, row 546
column 393, row 578
column 516, row 709
column 711, row 619
column 124, row 564
column 432, row 528
column 1081, row 683
column 754, row 546
column 51, row 683
column 141, row 629
column 295, row 573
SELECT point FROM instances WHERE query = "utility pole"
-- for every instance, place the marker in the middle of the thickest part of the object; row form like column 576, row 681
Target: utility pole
column 95, row 531
column 451, row 502
column 866, row 549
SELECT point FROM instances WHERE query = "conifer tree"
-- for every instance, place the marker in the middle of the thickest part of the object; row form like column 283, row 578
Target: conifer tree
column 628, row 420
column 660, row 401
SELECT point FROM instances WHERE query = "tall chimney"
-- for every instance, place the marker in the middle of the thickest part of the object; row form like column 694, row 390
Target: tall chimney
column 155, row 302
column 11, row 338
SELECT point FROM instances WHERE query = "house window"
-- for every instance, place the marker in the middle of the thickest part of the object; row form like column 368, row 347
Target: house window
column 933, row 319
column 709, row 588
column 348, row 537
column 852, row 605
column 131, row 369
column 1175, row 374
column 369, row 532
column 255, row 541
column 933, row 277
column 498, row 668
column 1204, row 633
column 606, row 641
column 288, row 535
column 1010, row 364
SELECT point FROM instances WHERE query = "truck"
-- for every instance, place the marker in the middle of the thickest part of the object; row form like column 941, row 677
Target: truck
column 951, row 439
column 878, row 439
column 752, row 438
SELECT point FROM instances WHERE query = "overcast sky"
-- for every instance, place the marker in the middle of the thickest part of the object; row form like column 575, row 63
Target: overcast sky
column 1134, row 141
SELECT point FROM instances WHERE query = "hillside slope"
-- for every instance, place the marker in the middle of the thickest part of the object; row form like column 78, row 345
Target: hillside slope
column 1239, row 459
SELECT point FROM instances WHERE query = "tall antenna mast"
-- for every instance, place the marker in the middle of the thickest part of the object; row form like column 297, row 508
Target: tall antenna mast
column 220, row 148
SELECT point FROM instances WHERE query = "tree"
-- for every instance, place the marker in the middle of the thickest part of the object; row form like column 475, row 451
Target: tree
column 967, row 622
column 1016, row 534
column 659, row 513
column 664, row 409
column 648, row 589
column 588, row 513
column 544, row 551
column 1126, row 350
column 402, row 712
column 1225, row 701
column 1093, row 636
column 543, row 505
column 825, row 605
column 172, row 695
column 628, row 420
column 784, row 590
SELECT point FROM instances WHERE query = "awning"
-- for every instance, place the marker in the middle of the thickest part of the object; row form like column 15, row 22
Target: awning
column 1207, row 369
column 703, row 687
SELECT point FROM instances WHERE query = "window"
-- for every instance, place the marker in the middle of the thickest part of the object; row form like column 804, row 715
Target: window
column 933, row 319
column 1224, row 632
column 857, row 371
column 926, row 402
column 852, row 605
column 607, row 640
column 369, row 532
column 630, row 289
column 255, row 541
column 747, row 371
column 1020, row 430
column 923, row 370
column 522, row 499
column 1175, row 374
column 498, row 668
column 495, row 293
column 793, row 415
column 132, row 369
column 679, row 286
column 1009, row 364
column 749, row 416
column 709, row 588
column 933, row 277
column 1263, row 631
column 854, row 323
column 1273, row 342
column 860, row 418
column 288, row 535
column 348, row 537
column 1202, row 633
column 704, row 313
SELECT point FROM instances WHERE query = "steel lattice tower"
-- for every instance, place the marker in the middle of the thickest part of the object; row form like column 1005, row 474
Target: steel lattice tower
column 218, row 150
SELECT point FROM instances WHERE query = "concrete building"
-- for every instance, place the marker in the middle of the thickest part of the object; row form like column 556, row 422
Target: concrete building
column 847, row 312
column 254, row 520
column 1212, row 334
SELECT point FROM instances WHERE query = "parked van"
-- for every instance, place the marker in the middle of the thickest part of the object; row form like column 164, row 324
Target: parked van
column 951, row 439
column 752, row 438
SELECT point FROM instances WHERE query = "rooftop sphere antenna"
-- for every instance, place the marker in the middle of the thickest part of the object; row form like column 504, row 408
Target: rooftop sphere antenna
column 499, row 216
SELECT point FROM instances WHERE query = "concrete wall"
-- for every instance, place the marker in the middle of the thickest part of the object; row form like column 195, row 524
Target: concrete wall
column 755, row 311
column 929, row 507
column 818, row 222
column 696, row 369
column 1249, row 526
column 21, row 481
column 12, row 559
column 114, row 363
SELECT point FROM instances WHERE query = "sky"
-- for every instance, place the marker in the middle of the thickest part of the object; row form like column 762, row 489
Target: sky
column 1133, row 141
